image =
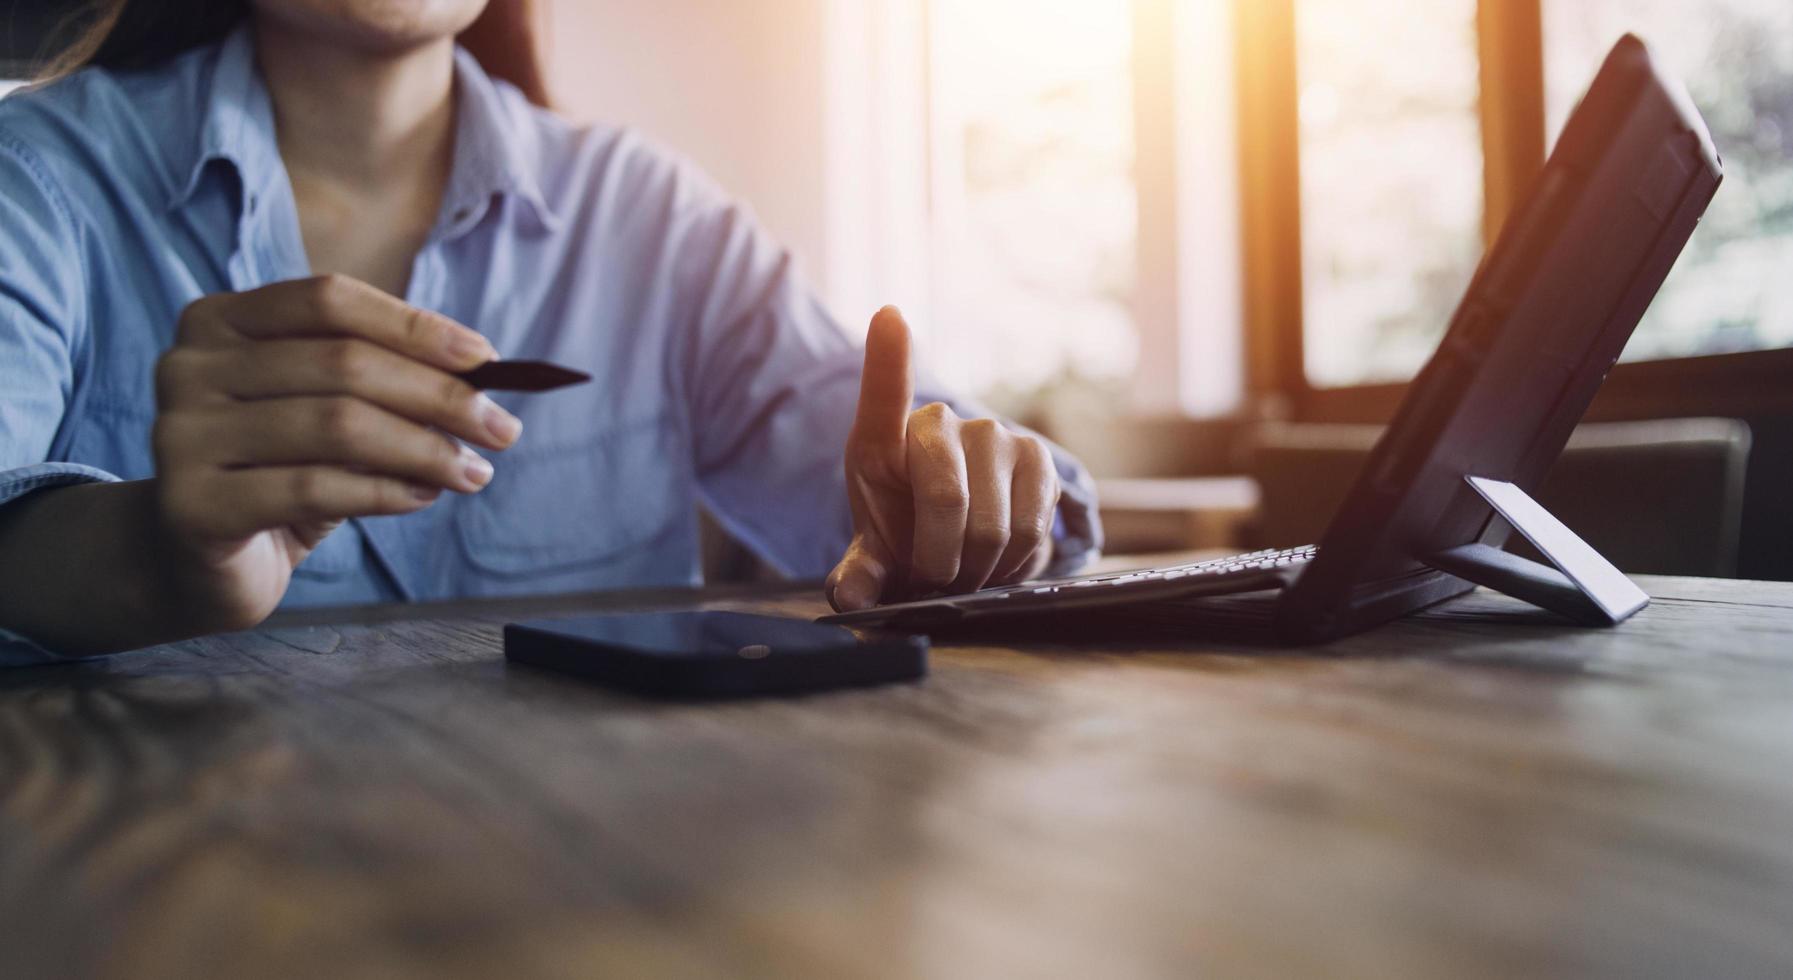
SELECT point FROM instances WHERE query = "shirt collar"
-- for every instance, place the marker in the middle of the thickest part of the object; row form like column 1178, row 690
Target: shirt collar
column 494, row 156
column 238, row 125
column 493, row 153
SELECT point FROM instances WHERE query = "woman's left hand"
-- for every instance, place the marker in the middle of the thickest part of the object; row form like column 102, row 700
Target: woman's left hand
column 940, row 503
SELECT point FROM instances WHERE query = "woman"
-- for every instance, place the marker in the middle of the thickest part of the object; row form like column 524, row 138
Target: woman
column 244, row 250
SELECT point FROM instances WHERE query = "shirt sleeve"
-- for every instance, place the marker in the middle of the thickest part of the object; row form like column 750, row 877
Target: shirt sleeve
column 773, row 384
column 42, row 311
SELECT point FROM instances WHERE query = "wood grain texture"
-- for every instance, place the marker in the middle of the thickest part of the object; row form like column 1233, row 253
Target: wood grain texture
column 1478, row 791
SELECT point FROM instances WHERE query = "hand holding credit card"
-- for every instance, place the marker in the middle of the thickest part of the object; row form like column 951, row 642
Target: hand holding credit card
column 522, row 376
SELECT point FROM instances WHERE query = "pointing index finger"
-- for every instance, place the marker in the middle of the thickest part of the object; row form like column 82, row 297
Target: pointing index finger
column 887, row 384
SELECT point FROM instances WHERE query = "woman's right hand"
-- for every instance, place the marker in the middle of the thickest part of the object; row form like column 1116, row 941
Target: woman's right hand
column 285, row 410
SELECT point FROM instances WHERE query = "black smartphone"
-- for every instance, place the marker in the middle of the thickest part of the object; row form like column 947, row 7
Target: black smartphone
column 714, row 654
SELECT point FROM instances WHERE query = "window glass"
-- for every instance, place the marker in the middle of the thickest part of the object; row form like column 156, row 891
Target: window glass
column 1391, row 181
column 1733, row 287
column 1033, row 197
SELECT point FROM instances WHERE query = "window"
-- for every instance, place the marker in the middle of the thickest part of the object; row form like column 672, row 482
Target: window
column 1376, row 265
column 1391, row 181
column 1107, row 182
column 1034, row 202
column 1731, row 290
column 1077, row 200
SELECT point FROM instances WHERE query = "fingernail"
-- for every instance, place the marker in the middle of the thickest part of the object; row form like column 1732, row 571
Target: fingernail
column 476, row 469
column 503, row 426
column 425, row 493
column 465, row 345
column 853, row 592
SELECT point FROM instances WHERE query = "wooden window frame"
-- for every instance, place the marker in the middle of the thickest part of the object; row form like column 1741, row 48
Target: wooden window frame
column 1510, row 48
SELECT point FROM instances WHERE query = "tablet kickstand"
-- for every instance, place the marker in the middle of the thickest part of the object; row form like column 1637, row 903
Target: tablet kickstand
column 1582, row 585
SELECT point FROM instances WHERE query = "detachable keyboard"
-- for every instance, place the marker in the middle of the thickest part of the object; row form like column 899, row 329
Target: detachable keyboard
column 1259, row 570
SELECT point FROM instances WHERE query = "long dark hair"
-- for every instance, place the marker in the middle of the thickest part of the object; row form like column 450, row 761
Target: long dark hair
column 130, row 34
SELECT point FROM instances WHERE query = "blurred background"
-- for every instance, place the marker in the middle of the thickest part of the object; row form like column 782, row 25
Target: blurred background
column 1206, row 242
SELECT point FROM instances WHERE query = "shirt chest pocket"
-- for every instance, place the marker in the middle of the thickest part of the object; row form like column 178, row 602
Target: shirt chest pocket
column 581, row 502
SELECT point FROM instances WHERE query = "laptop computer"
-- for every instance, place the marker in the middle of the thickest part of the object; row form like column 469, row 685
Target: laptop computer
column 1543, row 320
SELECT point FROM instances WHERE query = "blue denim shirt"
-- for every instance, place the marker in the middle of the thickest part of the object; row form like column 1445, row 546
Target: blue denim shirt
column 720, row 378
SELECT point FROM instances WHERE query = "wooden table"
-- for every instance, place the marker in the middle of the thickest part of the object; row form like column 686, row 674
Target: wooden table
column 1478, row 791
